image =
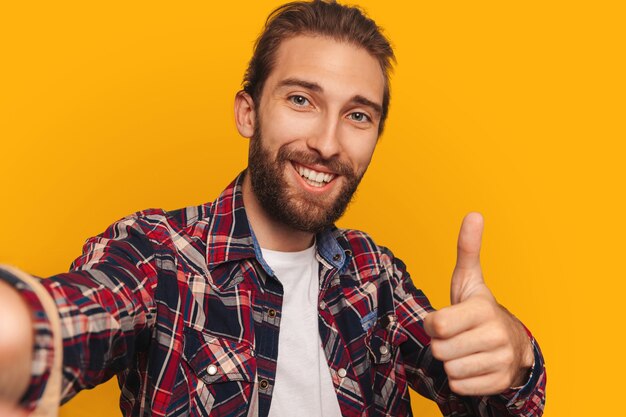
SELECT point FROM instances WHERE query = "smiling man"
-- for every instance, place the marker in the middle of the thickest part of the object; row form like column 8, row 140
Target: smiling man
column 256, row 304
column 312, row 133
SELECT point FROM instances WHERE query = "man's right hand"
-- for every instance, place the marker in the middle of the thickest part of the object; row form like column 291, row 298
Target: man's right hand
column 16, row 347
column 11, row 411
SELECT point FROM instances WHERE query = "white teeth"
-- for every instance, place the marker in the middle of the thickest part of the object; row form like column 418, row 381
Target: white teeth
column 314, row 178
column 314, row 183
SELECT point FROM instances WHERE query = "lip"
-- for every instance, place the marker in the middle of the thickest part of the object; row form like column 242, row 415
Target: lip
column 316, row 167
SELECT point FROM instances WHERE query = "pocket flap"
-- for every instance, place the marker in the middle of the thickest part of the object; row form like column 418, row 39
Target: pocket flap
column 378, row 345
column 385, row 336
column 216, row 359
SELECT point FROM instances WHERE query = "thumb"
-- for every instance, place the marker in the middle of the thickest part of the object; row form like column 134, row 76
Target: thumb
column 470, row 238
column 467, row 275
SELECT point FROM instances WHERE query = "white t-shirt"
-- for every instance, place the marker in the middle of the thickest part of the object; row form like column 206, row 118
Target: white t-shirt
column 303, row 383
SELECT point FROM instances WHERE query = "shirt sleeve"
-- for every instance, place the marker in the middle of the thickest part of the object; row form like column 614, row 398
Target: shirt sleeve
column 43, row 394
column 427, row 376
column 104, row 307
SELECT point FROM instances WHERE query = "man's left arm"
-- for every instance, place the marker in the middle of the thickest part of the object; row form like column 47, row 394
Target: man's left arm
column 480, row 359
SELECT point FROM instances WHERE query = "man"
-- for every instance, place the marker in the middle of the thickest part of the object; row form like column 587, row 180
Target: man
column 256, row 304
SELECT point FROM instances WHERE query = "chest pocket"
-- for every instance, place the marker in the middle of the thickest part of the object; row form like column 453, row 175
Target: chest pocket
column 222, row 373
column 379, row 345
column 388, row 377
column 216, row 359
column 384, row 339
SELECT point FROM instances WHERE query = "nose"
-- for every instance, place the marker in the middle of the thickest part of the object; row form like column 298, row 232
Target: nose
column 325, row 138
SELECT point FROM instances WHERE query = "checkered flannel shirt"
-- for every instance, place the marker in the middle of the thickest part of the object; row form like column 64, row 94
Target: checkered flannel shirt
column 181, row 307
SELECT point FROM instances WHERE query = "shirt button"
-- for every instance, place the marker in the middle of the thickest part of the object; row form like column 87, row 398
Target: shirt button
column 322, row 305
column 342, row 372
column 384, row 350
column 264, row 384
column 337, row 257
column 211, row 370
column 271, row 313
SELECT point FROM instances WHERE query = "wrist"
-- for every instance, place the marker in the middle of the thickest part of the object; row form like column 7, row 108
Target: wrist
column 527, row 362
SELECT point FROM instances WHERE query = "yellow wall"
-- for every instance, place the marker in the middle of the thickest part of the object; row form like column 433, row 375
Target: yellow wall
column 515, row 109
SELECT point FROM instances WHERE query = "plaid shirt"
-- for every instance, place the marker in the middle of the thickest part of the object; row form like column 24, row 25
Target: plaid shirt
column 182, row 308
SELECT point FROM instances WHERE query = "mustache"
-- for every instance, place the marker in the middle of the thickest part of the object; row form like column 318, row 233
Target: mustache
column 333, row 164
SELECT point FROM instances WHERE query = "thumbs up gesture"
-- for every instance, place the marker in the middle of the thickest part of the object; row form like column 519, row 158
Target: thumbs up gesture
column 483, row 347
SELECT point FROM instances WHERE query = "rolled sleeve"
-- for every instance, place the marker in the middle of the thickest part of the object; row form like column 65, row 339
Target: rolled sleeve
column 43, row 394
column 529, row 399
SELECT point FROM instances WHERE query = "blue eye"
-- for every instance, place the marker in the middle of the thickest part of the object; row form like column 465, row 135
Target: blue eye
column 299, row 100
column 359, row 117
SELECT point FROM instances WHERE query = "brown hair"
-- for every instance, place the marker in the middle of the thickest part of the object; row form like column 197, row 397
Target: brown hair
column 317, row 17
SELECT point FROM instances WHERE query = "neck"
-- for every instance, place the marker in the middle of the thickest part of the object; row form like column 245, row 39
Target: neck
column 270, row 233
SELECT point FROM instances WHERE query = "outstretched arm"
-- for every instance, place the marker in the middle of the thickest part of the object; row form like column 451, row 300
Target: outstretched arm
column 95, row 317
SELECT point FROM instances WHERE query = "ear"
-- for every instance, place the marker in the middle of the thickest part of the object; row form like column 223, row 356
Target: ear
column 245, row 114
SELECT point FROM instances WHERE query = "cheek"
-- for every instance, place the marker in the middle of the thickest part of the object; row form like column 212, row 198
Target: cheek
column 360, row 151
column 281, row 126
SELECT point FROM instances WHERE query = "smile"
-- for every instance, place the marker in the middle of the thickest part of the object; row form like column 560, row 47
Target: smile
column 312, row 177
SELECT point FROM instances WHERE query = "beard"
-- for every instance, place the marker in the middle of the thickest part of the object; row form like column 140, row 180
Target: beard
column 292, row 206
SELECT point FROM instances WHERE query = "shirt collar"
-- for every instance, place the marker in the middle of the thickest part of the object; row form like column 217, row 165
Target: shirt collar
column 231, row 238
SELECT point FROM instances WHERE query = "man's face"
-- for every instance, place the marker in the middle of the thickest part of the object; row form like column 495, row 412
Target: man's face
column 315, row 132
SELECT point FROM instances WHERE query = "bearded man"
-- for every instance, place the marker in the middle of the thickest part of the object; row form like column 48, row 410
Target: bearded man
column 256, row 304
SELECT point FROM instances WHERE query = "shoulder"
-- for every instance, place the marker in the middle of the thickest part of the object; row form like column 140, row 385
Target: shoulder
column 158, row 224
column 365, row 250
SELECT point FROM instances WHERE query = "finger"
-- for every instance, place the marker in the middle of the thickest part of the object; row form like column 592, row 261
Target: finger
column 475, row 365
column 470, row 237
column 488, row 384
column 456, row 319
column 474, row 341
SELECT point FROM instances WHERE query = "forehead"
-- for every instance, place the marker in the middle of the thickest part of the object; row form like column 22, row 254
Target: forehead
column 338, row 67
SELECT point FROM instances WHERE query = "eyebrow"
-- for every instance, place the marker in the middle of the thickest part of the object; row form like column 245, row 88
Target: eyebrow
column 369, row 103
column 295, row 82
column 312, row 86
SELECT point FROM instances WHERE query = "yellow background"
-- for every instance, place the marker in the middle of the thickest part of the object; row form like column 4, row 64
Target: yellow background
column 515, row 109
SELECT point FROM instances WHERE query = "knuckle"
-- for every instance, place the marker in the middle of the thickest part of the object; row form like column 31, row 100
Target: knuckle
column 490, row 339
column 503, row 384
column 458, row 386
column 439, row 325
column 452, row 369
column 496, row 337
column 500, row 337
column 508, row 357
column 455, row 386
column 437, row 349
column 490, row 309
column 459, row 368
